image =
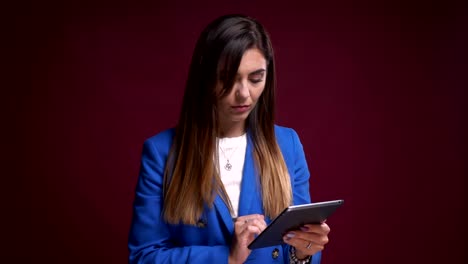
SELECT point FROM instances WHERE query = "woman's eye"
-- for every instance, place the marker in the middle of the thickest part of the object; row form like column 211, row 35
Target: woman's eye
column 256, row 77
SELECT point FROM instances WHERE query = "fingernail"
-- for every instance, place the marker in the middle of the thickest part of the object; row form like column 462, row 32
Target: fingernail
column 290, row 235
column 304, row 228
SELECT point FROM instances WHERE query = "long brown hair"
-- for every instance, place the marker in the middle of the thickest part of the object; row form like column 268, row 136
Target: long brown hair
column 191, row 178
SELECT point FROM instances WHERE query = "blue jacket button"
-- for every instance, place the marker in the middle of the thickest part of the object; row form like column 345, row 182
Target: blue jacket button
column 275, row 253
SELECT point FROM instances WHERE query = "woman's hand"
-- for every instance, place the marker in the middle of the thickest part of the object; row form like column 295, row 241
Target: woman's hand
column 308, row 240
column 245, row 229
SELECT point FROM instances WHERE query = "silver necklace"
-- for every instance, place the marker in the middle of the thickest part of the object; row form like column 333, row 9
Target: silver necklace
column 228, row 165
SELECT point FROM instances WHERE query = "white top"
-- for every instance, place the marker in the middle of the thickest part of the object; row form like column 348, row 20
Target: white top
column 231, row 164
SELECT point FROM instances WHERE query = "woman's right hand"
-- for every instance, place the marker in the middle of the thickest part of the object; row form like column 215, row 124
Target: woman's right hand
column 245, row 229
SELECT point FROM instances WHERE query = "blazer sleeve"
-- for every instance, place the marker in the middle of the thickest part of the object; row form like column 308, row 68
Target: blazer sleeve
column 300, row 183
column 149, row 238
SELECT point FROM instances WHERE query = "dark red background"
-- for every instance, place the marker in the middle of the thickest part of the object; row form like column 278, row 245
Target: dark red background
column 376, row 91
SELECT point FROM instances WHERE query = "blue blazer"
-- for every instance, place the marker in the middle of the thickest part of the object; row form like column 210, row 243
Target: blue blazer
column 151, row 240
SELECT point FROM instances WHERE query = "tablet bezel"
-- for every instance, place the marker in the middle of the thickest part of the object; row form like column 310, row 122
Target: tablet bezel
column 292, row 218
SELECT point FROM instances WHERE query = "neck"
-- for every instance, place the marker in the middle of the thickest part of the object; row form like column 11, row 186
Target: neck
column 234, row 129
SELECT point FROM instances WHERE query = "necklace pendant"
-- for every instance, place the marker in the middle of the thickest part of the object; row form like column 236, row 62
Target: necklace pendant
column 228, row 166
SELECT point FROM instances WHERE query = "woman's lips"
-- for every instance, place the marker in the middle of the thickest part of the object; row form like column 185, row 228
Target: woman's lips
column 241, row 108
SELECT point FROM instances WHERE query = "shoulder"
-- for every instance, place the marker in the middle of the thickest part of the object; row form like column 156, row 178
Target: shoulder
column 162, row 140
column 285, row 133
column 290, row 146
column 164, row 135
column 287, row 138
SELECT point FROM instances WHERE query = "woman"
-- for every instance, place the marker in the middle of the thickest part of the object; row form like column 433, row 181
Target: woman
column 207, row 187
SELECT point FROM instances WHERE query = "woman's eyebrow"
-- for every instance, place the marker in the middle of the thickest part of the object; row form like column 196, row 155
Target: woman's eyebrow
column 257, row 71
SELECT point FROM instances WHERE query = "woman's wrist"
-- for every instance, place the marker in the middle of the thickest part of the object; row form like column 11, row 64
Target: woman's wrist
column 231, row 260
column 300, row 254
column 296, row 257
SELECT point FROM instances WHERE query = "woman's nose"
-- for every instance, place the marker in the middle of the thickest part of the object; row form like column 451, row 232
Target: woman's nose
column 242, row 90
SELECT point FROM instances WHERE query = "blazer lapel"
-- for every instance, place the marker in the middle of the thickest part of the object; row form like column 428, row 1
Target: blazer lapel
column 224, row 213
column 249, row 200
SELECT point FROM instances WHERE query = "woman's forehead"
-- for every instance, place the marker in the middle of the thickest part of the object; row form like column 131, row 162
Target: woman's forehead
column 252, row 61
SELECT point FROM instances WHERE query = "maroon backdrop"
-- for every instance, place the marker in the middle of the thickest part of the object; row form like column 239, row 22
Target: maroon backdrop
column 377, row 93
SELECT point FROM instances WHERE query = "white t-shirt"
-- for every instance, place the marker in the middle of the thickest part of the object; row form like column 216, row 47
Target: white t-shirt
column 231, row 153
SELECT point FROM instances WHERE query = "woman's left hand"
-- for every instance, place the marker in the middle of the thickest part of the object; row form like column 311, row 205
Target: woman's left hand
column 308, row 240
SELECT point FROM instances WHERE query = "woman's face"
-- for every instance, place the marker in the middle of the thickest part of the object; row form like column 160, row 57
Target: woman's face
column 235, row 107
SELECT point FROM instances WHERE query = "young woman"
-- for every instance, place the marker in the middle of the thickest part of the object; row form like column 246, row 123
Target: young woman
column 209, row 185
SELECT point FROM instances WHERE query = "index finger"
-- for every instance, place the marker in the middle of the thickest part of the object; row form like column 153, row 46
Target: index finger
column 249, row 217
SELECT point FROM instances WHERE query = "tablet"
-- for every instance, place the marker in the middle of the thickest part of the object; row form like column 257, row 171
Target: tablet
column 292, row 218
